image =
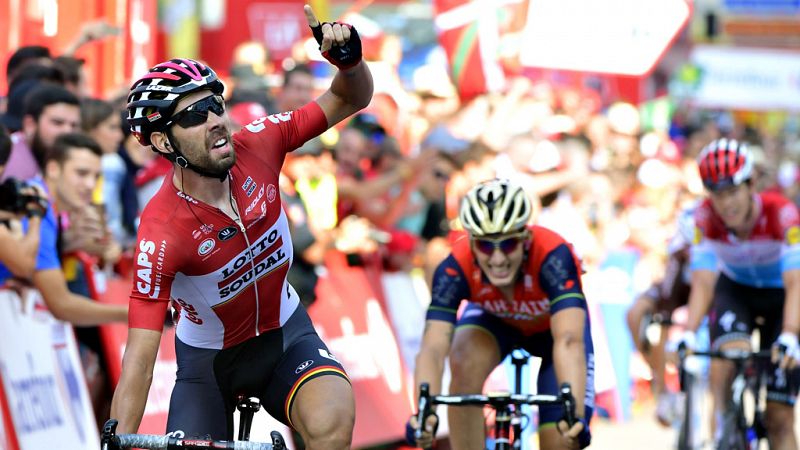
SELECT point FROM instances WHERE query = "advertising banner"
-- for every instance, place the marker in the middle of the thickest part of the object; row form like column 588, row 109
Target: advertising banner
column 42, row 377
column 351, row 320
column 114, row 337
column 750, row 79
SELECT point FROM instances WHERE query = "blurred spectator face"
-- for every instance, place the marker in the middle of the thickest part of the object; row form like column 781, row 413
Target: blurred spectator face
column 298, row 91
column 500, row 257
column 55, row 120
column 108, row 133
column 434, row 182
column 73, row 181
column 349, row 150
column 733, row 204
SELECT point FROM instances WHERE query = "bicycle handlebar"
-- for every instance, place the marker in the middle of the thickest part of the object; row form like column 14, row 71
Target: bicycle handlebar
column 731, row 355
column 496, row 400
column 110, row 440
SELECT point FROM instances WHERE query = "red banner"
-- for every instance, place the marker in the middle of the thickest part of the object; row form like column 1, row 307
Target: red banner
column 350, row 317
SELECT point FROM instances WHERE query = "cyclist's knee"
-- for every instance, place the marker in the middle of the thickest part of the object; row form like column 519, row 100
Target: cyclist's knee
column 779, row 419
column 330, row 429
column 468, row 370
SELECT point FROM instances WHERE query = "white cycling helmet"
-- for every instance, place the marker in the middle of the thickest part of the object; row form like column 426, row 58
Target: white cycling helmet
column 495, row 207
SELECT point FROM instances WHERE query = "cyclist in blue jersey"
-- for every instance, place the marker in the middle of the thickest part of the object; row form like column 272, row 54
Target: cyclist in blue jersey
column 753, row 240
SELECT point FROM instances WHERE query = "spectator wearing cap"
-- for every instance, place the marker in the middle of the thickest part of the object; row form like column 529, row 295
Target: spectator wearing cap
column 49, row 111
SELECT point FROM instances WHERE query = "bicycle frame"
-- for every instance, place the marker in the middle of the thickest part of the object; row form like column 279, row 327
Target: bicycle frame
column 746, row 433
column 501, row 403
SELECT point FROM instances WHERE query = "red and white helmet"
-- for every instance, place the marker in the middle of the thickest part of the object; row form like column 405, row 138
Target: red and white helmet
column 724, row 163
column 153, row 97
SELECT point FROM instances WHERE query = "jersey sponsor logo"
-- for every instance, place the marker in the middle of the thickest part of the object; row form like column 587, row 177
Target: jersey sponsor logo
column 793, row 235
column 247, row 183
column 787, row 215
column 451, row 271
column 305, row 365
column 255, row 201
column 145, row 283
column 186, row 197
column 158, row 87
column 554, row 272
column 325, row 354
column 206, row 247
column 196, row 234
column 698, row 236
column 227, row 233
column 517, row 310
column 269, row 242
column 271, row 193
column 189, row 311
column 251, row 189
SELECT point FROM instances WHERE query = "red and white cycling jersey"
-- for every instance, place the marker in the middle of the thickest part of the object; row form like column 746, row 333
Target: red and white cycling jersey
column 772, row 248
column 228, row 282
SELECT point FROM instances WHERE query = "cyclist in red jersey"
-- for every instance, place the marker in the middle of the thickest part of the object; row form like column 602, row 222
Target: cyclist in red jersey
column 745, row 265
column 523, row 286
column 215, row 241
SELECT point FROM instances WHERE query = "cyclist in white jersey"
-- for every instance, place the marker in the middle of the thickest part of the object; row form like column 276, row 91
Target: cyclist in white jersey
column 753, row 239
column 215, row 242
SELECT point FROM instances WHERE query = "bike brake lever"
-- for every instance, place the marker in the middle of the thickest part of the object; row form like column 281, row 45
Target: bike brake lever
column 277, row 441
column 569, row 404
column 423, row 409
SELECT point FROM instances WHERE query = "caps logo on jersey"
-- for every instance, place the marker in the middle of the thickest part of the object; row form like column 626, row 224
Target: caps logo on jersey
column 206, row 247
column 793, row 235
column 305, row 365
column 227, row 233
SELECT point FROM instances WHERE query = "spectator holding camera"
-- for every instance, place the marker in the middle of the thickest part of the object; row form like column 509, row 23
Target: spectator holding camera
column 47, row 275
column 18, row 246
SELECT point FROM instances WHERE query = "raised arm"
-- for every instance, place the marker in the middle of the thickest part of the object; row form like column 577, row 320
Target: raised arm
column 351, row 88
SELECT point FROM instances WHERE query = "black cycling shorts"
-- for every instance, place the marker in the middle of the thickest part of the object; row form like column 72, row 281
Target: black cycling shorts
column 540, row 345
column 736, row 312
column 271, row 366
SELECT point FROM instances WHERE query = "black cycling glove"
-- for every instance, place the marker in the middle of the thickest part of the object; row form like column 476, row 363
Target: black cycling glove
column 345, row 56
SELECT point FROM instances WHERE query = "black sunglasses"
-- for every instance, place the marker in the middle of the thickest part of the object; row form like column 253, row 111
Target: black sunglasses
column 506, row 245
column 197, row 113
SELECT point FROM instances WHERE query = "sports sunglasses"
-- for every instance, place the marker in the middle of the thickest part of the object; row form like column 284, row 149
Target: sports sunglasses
column 506, row 244
column 197, row 113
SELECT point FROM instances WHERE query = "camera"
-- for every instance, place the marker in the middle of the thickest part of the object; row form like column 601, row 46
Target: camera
column 18, row 197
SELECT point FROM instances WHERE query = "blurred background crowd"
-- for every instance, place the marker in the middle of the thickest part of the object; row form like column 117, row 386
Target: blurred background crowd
column 607, row 158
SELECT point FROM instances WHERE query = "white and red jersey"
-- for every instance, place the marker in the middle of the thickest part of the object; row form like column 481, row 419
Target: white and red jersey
column 772, row 248
column 228, row 282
